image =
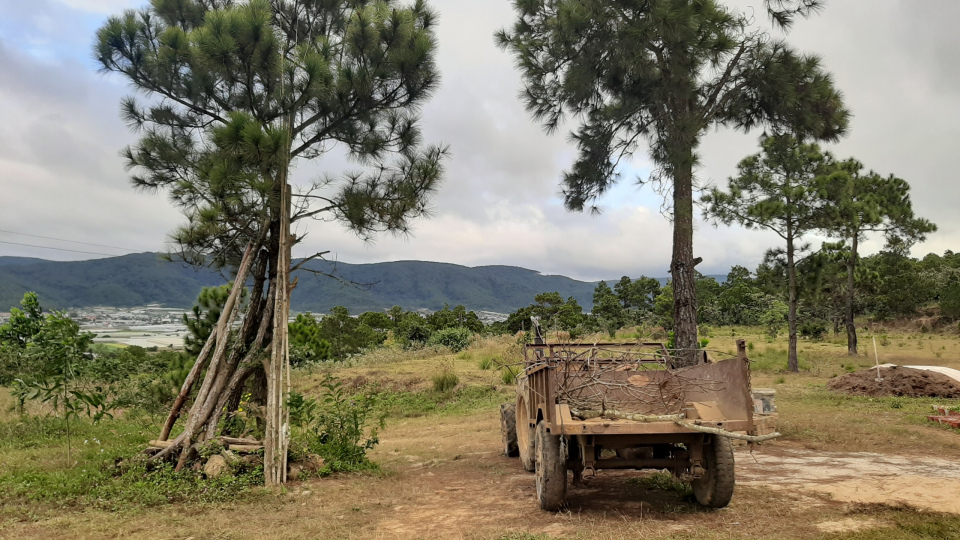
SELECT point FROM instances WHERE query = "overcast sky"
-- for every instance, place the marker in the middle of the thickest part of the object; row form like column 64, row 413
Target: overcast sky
column 61, row 176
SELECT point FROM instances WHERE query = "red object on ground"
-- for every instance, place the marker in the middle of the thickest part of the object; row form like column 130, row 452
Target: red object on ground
column 950, row 420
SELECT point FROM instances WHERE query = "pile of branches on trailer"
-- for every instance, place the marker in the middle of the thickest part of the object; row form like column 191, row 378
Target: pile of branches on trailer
column 622, row 381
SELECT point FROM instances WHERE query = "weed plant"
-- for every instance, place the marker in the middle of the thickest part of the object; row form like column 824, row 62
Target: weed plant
column 446, row 380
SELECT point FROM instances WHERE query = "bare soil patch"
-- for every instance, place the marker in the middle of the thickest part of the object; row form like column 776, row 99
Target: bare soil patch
column 921, row 482
column 896, row 381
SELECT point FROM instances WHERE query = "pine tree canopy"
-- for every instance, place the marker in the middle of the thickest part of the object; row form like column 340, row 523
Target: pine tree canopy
column 230, row 91
column 662, row 71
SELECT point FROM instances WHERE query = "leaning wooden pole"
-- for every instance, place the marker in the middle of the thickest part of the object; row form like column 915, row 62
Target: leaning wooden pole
column 226, row 316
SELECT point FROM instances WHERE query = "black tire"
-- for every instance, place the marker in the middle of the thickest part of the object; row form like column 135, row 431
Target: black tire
column 508, row 429
column 525, row 436
column 551, row 468
column 714, row 488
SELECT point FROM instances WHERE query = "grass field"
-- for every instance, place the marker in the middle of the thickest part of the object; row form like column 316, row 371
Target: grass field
column 441, row 475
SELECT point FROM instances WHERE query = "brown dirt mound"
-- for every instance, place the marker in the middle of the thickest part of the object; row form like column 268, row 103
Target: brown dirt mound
column 897, row 381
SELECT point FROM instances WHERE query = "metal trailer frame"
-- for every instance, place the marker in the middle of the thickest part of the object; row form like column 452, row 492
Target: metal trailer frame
column 676, row 438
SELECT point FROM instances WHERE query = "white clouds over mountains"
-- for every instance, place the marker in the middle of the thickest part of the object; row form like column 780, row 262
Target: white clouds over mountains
column 60, row 136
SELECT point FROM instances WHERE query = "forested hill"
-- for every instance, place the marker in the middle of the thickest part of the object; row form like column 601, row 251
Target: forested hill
column 145, row 278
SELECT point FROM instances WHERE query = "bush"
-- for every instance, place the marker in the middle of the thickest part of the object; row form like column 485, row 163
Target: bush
column 774, row 318
column 455, row 339
column 508, row 375
column 341, row 427
column 813, row 330
column 485, row 363
column 446, row 380
column 306, row 344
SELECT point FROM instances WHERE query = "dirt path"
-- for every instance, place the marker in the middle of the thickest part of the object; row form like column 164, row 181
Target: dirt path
column 922, row 482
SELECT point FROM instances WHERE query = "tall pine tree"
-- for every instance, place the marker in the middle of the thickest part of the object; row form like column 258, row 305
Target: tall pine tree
column 664, row 72
column 235, row 93
column 776, row 191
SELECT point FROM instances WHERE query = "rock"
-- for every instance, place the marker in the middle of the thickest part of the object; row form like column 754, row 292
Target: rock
column 294, row 470
column 313, row 463
column 216, row 466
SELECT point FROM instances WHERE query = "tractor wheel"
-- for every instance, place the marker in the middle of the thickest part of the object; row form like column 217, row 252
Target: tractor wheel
column 714, row 488
column 525, row 436
column 551, row 470
column 508, row 429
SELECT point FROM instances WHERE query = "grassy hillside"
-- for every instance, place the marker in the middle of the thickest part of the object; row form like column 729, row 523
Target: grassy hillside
column 145, row 278
column 130, row 280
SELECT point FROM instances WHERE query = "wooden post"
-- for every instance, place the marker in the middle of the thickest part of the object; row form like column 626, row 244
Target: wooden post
column 277, row 431
column 275, row 458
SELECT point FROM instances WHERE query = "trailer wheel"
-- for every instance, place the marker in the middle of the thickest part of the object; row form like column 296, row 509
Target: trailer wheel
column 508, row 429
column 551, row 470
column 525, row 436
column 714, row 488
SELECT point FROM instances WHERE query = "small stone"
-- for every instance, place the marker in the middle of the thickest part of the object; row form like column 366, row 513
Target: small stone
column 313, row 463
column 216, row 466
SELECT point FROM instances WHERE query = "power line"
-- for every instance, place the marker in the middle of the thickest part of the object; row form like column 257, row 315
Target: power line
column 63, row 240
column 59, row 249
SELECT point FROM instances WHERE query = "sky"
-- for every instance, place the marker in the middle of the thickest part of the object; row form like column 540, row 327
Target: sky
column 62, row 178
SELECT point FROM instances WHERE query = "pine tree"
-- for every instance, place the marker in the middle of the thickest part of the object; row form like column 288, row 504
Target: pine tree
column 235, row 93
column 777, row 191
column 607, row 309
column 664, row 71
column 857, row 204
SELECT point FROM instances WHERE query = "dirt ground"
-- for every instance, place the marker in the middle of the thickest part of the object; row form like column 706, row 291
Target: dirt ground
column 896, row 381
column 444, row 478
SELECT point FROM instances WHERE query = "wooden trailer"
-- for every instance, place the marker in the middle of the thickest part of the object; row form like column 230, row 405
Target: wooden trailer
column 586, row 407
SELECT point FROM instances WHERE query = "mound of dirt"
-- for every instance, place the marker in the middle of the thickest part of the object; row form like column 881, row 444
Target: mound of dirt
column 897, row 381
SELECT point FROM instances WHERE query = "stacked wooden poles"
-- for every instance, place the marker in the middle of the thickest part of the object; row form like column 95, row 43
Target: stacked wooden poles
column 277, row 435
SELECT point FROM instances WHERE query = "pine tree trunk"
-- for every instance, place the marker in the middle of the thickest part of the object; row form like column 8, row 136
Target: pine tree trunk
column 682, row 267
column 851, row 326
column 793, row 363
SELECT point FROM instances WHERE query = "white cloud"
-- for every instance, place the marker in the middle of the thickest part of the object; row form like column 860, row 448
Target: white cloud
column 101, row 7
column 897, row 63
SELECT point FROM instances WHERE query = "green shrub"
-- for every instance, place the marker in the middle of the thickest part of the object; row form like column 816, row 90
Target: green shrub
column 446, row 380
column 306, row 344
column 508, row 375
column 813, row 330
column 485, row 363
column 455, row 339
column 341, row 427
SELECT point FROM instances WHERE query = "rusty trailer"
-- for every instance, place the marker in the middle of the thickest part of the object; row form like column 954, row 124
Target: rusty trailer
column 585, row 407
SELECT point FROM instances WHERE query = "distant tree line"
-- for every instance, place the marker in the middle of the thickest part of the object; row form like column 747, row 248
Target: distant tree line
column 887, row 286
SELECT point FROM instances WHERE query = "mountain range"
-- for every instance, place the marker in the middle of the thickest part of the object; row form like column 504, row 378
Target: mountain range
column 146, row 278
